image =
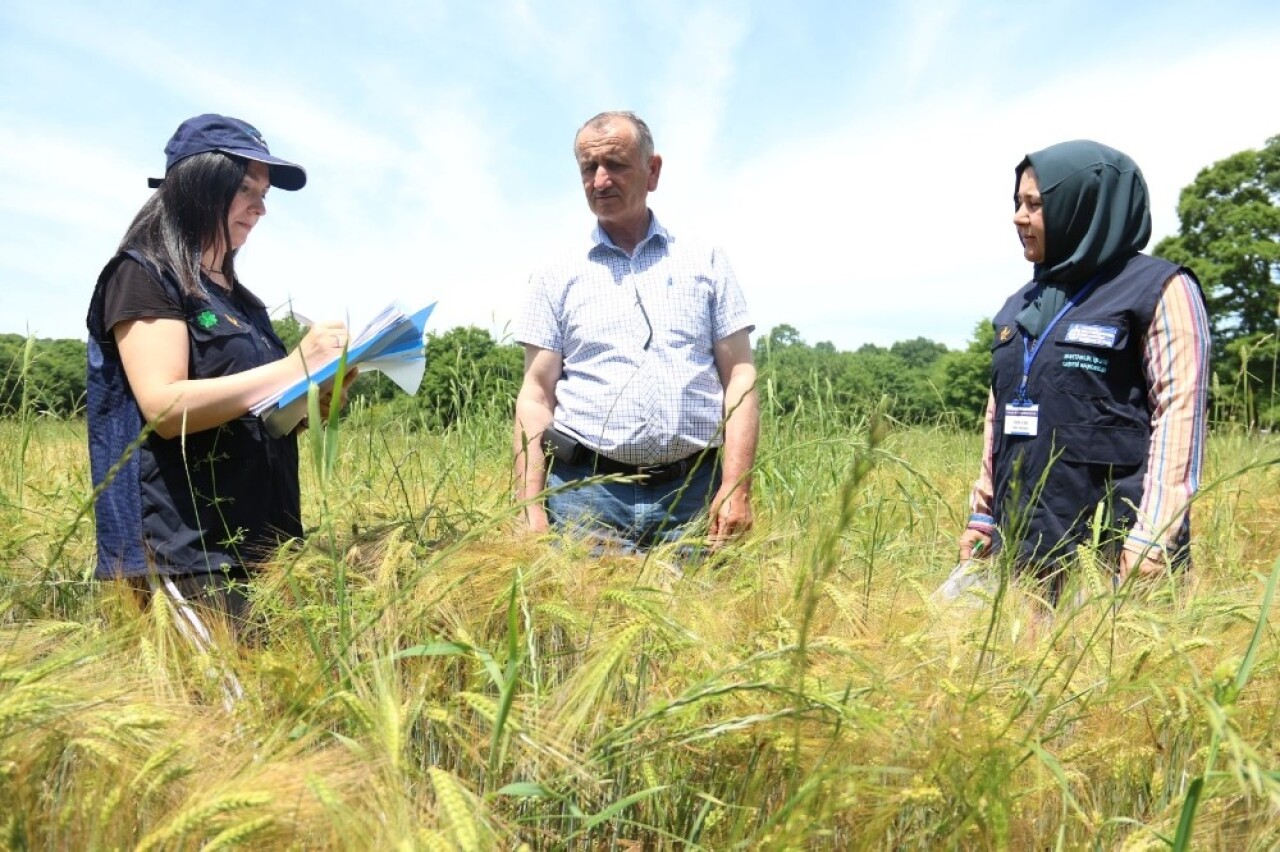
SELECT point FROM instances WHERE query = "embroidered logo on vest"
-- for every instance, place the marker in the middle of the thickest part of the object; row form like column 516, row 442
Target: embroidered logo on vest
column 206, row 319
column 1085, row 361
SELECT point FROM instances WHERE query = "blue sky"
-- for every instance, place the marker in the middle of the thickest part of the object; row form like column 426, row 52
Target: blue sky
column 854, row 159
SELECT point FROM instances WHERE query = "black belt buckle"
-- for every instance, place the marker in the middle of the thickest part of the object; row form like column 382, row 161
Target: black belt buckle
column 661, row 473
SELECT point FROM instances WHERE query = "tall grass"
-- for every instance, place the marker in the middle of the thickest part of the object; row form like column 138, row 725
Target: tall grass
column 431, row 678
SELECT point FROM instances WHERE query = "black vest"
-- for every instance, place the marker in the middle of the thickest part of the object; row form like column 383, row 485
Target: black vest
column 193, row 504
column 1094, row 426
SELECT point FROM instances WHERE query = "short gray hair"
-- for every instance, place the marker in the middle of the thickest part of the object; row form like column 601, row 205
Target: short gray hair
column 644, row 137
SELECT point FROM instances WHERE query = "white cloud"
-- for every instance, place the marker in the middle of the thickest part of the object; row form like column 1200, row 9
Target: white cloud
column 881, row 212
column 697, row 74
column 930, row 21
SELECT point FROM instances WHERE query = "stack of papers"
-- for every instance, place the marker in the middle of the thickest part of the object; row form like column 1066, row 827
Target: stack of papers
column 392, row 343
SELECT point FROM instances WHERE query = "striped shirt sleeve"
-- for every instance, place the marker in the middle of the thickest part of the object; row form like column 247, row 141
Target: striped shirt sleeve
column 981, row 508
column 1176, row 361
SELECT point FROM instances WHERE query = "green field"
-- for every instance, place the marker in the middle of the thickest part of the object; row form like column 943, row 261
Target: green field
column 428, row 678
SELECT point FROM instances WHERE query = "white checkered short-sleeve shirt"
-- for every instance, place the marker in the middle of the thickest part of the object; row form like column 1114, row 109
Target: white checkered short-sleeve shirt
column 636, row 334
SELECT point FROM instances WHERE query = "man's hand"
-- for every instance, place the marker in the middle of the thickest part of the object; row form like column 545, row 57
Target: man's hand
column 731, row 507
column 534, row 407
column 730, row 514
column 1150, row 567
column 534, row 518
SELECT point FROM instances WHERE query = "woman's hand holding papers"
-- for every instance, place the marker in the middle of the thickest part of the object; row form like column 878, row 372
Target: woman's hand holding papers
column 323, row 342
column 394, row 344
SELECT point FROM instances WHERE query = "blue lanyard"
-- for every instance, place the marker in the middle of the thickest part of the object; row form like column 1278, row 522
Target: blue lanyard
column 1029, row 353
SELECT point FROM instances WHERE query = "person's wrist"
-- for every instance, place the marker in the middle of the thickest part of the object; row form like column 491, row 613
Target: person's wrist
column 981, row 523
column 1143, row 547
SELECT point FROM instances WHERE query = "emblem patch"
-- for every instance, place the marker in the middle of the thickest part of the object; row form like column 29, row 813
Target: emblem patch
column 1092, row 335
column 206, row 319
column 1005, row 333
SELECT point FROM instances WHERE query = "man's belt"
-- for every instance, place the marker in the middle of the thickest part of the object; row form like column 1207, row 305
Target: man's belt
column 654, row 474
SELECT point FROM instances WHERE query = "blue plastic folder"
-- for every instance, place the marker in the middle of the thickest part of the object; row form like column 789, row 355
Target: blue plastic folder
column 393, row 343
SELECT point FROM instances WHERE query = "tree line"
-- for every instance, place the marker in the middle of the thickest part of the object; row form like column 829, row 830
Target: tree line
column 467, row 370
column 1229, row 235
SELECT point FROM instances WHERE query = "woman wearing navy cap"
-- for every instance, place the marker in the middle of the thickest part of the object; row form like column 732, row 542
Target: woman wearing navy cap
column 1095, row 425
column 177, row 344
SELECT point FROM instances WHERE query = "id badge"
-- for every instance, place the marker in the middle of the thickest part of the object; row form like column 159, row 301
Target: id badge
column 1022, row 419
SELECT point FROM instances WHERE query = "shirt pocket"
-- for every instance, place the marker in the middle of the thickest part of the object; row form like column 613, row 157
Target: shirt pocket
column 1087, row 355
column 221, row 344
column 681, row 310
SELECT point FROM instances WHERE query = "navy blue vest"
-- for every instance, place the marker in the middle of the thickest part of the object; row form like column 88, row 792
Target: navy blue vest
column 1094, row 422
column 223, row 497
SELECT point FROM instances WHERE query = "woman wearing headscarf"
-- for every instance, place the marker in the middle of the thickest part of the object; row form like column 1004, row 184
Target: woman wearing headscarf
column 178, row 344
column 1095, row 423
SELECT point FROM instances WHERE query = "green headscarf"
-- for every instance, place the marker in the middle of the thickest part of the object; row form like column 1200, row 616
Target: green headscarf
column 1095, row 214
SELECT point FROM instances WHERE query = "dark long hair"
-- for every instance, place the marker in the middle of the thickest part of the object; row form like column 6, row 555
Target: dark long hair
column 188, row 213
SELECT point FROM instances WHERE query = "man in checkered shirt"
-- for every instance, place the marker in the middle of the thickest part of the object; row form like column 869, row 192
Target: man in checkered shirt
column 637, row 363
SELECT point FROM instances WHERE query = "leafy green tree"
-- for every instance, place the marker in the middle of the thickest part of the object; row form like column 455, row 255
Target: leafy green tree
column 290, row 331
column 963, row 378
column 918, row 354
column 910, row 372
column 1229, row 235
column 793, row 374
column 51, row 380
column 868, row 373
column 899, row 373
column 787, row 368
column 782, row 336
column 467, row 369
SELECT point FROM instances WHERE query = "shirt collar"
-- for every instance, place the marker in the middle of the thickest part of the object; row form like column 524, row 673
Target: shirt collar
column 600, row 239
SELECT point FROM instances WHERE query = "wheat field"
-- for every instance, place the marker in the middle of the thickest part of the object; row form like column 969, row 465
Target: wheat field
column 424, row 677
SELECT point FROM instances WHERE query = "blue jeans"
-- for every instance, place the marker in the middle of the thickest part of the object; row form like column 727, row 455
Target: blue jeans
column 626, row 515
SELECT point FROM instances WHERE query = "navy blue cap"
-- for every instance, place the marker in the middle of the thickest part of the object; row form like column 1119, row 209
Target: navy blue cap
column 211, row 132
